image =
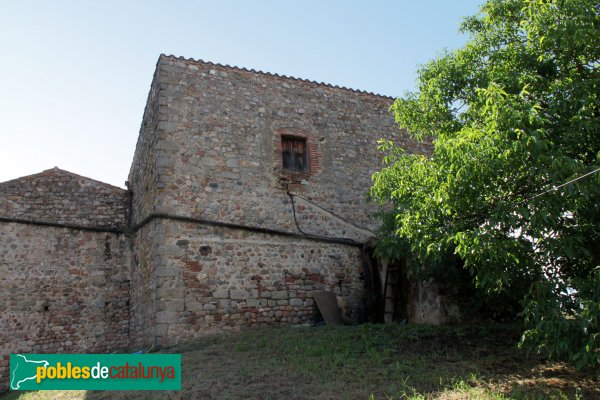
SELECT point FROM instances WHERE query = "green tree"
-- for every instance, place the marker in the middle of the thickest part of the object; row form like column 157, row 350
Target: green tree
column 512, row 184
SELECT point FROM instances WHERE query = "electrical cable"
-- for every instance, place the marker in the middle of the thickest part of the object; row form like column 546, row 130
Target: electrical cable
column 555, row 188
column 310, row 235
column 334, row 214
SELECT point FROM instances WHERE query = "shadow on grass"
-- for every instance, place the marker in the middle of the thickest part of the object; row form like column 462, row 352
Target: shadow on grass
column 368, row 361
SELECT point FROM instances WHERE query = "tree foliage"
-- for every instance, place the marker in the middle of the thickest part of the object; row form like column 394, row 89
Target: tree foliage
column 513, row 116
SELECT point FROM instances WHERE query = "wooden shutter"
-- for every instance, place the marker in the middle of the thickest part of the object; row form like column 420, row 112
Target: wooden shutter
column 293, row 152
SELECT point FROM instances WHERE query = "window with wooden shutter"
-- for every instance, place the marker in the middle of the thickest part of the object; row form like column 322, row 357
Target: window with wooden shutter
column 293, row 152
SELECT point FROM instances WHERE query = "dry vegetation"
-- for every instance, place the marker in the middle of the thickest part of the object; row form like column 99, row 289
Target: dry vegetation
column 363, row 362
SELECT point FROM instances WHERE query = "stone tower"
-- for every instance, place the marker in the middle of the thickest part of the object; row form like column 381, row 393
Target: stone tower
column 249, row 194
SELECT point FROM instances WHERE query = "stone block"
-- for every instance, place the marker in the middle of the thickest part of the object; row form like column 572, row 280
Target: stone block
column 238, row 294
column 296, row 302
column 174, row 304
column 252, row 302
column 221, row 294
column 280, row 294
column 167, row 271
column 166, row 317
column 224, row 303
column 161, row 329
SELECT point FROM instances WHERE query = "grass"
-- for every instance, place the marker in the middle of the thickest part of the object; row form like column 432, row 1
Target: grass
column 370, row 362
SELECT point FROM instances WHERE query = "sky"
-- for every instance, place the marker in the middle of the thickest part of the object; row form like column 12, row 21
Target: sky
column 75, row 75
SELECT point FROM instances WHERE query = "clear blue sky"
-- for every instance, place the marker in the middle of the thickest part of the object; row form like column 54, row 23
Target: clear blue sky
column 74, row 75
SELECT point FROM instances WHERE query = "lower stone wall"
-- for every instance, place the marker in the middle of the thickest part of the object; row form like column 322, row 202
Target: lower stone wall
column 62, row 291
column 213, row 278
column 143, row 287
column 426, row 305
column 69, row 291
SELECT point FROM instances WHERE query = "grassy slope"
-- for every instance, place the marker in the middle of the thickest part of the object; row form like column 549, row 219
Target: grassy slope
column 362, row 362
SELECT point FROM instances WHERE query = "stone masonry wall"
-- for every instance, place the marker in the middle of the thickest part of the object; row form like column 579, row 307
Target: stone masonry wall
column 212, row 278
column 143, row 286
column 142, row 176
column 62, row 290
column 58, row 196
column 217, row 134
column 143, row 184
column 213, row 234
column 64, row 266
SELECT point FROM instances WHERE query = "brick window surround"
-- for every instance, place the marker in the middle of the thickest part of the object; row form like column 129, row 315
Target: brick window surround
column 312, row 153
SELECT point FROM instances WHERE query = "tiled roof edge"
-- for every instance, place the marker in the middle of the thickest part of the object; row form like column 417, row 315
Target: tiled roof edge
column 236, row 68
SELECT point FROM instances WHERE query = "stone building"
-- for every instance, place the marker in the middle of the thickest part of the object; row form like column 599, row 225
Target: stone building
column 64, row 266
column 247, row 193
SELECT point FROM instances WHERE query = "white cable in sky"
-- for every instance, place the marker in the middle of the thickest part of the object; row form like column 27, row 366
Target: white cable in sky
column 564, row 184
